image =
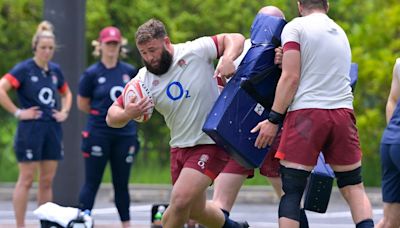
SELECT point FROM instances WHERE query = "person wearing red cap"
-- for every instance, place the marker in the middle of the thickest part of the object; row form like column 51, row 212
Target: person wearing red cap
column 38, row 141
column 100, row 85
column 110, row 34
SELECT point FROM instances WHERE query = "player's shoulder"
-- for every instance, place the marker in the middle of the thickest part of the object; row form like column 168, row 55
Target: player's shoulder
column 143, row 73
column 202, row 46
column 198, row 42
column 93, row 69
column 205, row 40
column 25, row 64
column 54, row 66
column 296, row 22
column 294, row 26
column 145, row 76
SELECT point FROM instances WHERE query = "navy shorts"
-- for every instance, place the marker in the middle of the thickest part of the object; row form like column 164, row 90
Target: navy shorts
column 102, row 145
column 390, row 163
column 38, row 141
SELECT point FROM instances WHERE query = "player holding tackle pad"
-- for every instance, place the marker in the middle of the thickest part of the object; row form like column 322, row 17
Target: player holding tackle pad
column 315, row 89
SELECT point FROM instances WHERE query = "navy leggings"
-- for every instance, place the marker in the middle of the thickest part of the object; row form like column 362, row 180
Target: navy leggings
column 97, row 151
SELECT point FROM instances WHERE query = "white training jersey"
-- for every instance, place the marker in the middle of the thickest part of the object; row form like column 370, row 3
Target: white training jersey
column 325, row 62
column 186, row 93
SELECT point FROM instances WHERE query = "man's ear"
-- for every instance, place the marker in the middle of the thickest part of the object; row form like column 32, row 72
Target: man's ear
column 299, row 8
column 167, row 42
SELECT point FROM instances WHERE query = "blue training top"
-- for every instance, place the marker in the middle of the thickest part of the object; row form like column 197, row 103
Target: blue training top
column 391, row 134
column 103, row 86
column 37, row 87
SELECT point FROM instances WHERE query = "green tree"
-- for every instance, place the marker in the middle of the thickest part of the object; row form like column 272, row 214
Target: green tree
column 18, row 21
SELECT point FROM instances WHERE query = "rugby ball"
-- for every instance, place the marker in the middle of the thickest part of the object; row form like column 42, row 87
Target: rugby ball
column 137, row 88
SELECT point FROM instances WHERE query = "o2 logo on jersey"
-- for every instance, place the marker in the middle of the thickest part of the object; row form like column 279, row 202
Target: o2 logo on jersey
column 115, row 91
column 46, row 96
column 175, row 91
column 54, row 79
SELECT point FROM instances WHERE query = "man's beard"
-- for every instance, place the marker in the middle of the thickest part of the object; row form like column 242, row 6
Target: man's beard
column 163, row 66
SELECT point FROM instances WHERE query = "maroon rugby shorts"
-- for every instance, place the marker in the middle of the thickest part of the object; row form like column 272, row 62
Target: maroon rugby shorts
column 208, row 159
column 306, row 132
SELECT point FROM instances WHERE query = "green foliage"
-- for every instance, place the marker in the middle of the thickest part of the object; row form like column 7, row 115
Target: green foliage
column 15, row 39
column 8, row 165
column 18, row 22
column 371, row 25
column 146, row 173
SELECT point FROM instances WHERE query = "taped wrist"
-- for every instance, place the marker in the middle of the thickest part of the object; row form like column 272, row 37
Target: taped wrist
column 276, row 117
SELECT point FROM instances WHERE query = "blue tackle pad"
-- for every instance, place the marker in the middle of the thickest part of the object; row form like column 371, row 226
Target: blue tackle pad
column 319, row 187
column 248, row 96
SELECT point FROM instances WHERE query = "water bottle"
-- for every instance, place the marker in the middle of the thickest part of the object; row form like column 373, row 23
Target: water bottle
column 158, row 215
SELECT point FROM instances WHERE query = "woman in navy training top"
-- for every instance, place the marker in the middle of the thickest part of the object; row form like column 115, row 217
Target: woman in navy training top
column 99, row 86
column 390, row 156
column 38, row 141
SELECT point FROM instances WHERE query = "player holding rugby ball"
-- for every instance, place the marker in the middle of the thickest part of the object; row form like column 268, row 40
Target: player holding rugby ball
column 180, row 78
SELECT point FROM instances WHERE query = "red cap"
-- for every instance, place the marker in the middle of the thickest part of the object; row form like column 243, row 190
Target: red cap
column 110, row 34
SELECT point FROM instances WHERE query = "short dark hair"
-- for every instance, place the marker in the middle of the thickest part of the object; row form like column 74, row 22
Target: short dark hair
column 152, row 29
column 314, row 4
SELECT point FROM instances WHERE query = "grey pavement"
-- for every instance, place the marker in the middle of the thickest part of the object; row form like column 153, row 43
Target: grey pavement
column 161, row 193
column 256, row 204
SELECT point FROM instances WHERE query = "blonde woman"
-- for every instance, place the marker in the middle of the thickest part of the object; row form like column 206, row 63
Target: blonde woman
column 38, row 141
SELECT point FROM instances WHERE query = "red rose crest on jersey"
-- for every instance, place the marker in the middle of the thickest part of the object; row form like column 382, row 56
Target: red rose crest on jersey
column 202, row 161
column 156, row 82
column 55, row 80
column 182, row 63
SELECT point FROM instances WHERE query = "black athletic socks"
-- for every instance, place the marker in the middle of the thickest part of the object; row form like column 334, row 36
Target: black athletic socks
column 226, row 213
column 229, row 223
column 367, row 223
column 243, row 224
column 303, row 218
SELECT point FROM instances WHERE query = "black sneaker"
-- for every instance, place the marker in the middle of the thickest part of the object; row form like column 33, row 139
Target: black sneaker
column 243, row 224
